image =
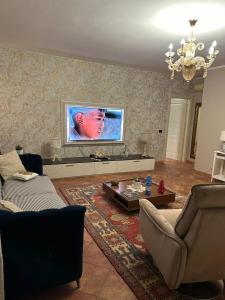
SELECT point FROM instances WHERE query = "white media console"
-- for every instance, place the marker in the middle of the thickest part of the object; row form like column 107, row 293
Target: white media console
column 81, row 166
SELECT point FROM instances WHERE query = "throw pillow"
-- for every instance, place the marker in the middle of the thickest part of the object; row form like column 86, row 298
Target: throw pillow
column 9, row 206
column 10, row 164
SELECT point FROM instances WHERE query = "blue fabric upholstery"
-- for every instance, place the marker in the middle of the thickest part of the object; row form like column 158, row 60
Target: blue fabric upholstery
column 41, row 249
column 32, row 163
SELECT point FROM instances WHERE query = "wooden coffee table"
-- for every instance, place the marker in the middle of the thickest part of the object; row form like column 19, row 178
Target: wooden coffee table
column 132, row 203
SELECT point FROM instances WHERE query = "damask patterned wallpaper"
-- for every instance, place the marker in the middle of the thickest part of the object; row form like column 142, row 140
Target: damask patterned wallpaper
column 33, row 84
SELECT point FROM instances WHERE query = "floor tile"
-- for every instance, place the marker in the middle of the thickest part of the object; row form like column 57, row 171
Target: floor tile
column 115, row 288
column 93, row 278
column 87, row 236
column 95, row 256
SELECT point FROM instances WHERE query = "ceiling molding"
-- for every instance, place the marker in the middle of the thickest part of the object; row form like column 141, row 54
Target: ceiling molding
column 79, row 57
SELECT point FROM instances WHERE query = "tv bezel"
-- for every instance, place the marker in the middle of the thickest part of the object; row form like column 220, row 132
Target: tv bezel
column 64, row 105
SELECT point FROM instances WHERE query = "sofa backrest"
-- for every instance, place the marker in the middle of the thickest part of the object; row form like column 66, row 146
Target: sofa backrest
column 32, row 163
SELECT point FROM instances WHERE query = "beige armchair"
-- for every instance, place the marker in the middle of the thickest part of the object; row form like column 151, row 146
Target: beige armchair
column 188, row 245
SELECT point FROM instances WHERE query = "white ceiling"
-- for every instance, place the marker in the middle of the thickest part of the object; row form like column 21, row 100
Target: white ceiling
column 118, row 31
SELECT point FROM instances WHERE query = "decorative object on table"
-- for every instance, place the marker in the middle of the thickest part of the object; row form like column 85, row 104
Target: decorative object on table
column 132, row 194
column 144, row 144
column 145, row 147
column 114, row 183
column 148, row 184
column 136, row 187
column 56, row 149
column 99, row 155
column 222, row 138
column 187, row 62
column 19, row 149
column 136, row 183
column 161, row 188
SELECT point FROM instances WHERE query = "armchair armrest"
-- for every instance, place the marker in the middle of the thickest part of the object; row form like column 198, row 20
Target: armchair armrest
column 41, row 249
column 167, row 249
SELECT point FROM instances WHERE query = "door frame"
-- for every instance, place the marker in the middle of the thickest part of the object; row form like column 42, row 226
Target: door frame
column 187, row 129
column 194, row 129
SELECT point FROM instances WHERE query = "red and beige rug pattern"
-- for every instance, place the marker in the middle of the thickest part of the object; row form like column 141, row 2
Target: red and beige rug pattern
column 116, row 232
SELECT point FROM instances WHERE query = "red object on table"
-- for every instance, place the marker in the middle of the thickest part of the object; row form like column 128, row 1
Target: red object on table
column 161, row 188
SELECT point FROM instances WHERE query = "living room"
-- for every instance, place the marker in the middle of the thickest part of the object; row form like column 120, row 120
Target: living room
column 60, row 60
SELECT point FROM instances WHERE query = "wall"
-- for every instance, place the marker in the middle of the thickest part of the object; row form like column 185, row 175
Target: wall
column 212, row 120
column 32, row 85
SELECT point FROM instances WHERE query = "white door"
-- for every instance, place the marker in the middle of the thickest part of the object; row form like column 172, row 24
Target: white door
column 177, row 127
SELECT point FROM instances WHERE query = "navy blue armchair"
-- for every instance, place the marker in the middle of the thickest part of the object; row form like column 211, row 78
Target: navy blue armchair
column 41, row 249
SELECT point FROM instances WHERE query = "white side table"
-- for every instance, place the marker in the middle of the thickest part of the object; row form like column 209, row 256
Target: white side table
column 218, row 156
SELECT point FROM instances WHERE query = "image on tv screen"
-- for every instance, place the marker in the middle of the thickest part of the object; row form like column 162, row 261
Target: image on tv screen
column 84, row 123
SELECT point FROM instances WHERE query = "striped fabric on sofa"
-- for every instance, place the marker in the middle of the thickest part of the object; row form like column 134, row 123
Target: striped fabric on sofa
column 33, row 195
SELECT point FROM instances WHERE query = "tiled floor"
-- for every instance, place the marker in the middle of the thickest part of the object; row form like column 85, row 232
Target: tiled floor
column 100, row 280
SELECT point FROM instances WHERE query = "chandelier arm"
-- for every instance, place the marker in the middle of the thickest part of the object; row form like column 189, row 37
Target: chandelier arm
column 199, row 46
column 210, row 62
column 200, row 62
column 205, row 73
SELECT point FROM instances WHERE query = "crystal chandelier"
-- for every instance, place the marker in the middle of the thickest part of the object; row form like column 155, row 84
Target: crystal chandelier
column 187, row 62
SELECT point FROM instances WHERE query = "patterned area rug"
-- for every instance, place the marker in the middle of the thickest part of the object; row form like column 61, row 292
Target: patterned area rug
column 116, row 232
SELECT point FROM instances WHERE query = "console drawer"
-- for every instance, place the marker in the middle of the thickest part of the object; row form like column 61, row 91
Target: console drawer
column 104, row 167
column 135, row 165
column 69, row 170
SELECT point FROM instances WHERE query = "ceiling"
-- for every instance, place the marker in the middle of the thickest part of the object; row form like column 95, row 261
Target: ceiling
column 117, row 31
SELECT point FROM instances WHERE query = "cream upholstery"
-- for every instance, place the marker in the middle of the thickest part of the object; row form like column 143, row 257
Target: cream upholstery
column 10, row 163
column 188, row 245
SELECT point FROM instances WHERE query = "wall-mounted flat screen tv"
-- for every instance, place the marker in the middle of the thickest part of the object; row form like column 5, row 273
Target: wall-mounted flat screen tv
column 90, row 123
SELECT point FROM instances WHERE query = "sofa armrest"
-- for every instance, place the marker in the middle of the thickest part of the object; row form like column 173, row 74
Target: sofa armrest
column 41, row 249
column 2, row 292
column 167, row 249
column 32, row 163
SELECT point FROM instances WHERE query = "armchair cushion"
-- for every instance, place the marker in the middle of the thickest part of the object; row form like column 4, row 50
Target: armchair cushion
column 155, row 215
column 170, row 215
column 159, row 235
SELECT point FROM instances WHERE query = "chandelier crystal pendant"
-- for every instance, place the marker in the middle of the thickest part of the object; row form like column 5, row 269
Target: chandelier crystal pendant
column 187, row 62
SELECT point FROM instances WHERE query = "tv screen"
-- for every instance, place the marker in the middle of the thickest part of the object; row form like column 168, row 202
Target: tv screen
column 89, row 124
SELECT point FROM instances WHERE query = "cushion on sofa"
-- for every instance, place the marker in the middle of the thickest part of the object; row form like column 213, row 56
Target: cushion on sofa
column 34, row 195
column 10, row 163
column 9, row 206
column 32, row 162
